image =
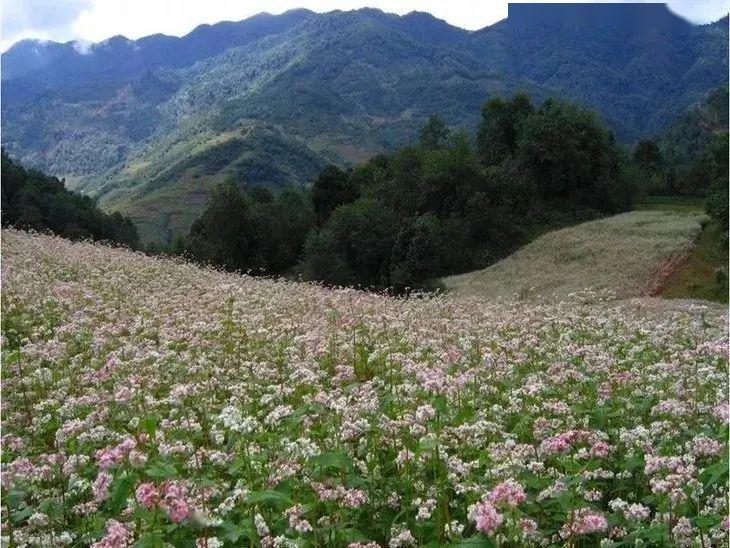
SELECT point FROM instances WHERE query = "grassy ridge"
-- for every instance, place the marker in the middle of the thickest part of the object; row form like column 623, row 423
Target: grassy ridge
column 704, row 274
column 628, row 254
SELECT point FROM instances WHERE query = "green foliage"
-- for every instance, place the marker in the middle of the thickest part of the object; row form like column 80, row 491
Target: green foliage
column 33, row 200
column 434, row 133
column 692, row 154
column 222, row 234
column 417, row 252
column 717, row 203
column 361, row 234
column 332, row 188
column 570, row 156
column 280, row 225
column 428, row 211
column 647, row 154
column 501, row 119
column 251, row 230
column 688, row 136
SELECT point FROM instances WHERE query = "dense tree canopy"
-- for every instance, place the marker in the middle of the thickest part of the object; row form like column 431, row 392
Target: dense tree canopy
column 445, row 205
column 331, row 189
column 224, row 233
column 571, row 157
column 33, row 200
column 434, row 133
column 647, row 154
column 498, row 132
column 252, row 230
column 688, row 158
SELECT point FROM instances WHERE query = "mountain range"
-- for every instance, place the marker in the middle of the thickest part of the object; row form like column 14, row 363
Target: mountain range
column 148, row 126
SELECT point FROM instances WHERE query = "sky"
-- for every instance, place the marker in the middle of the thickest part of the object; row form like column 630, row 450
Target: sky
column 95, row 20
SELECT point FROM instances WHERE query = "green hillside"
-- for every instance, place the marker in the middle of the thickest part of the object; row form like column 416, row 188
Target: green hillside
column 148, row 135
column 179, row 182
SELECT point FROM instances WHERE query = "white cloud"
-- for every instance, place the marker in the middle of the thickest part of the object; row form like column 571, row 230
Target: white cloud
column 702, row 11
column 83, row 46
column 96, row 20
column 24, row 35
column 21, row 19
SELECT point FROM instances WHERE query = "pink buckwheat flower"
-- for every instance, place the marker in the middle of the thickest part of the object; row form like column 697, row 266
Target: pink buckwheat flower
column 508, row 492
column 487, row 517
column 118, row 535
column 528, row 526
column 147, row 495
column 101, row 485
column 175, row 501
column 600, row 449
column 585, row 521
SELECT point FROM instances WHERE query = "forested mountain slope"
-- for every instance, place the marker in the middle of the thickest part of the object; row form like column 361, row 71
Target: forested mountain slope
column 149, row 126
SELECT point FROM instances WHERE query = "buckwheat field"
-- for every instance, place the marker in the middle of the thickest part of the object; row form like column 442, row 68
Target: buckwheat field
column 148, row 402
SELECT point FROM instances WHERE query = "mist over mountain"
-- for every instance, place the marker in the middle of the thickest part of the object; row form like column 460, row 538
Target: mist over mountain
column 149, row 126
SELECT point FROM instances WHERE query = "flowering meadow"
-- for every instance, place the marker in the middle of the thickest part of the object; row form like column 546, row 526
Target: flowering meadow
column 148, row 402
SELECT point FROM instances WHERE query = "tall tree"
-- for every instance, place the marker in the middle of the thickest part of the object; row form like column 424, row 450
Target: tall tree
column 223, row 233
column 570, row 157
column 331, row 189
column 434, row 133
column 361, row 234
column 500, row 126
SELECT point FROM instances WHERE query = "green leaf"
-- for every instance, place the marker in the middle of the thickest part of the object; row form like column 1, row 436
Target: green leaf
column 9, row 358
column 149, row 424
column 715, row 473
column 705, row 522
column 656, row 533
column 269, row 498
column 478, row 541
column 21, row 515
column 121, row 491
column 150, row 540
column 232, row 532
column 52, row 508
column 161, row 471
column 15, row 498
column 337, row 459
column 353, row 535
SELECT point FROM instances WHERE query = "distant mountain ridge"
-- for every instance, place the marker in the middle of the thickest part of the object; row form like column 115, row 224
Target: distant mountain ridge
column 631, row 18
column 149, row 125
column 119, row 55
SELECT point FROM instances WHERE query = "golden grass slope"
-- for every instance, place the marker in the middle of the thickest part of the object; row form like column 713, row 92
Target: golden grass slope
column 629, row 254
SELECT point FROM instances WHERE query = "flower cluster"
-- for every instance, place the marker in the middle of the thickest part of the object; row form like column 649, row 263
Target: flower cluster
column 149, row 401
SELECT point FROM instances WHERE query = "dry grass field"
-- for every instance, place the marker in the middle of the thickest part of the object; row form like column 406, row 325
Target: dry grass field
column 629, row 254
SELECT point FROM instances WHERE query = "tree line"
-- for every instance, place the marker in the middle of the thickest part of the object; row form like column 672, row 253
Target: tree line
column 447, row 204
column 35, row 201
column 450, row 203
column 691, row 158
